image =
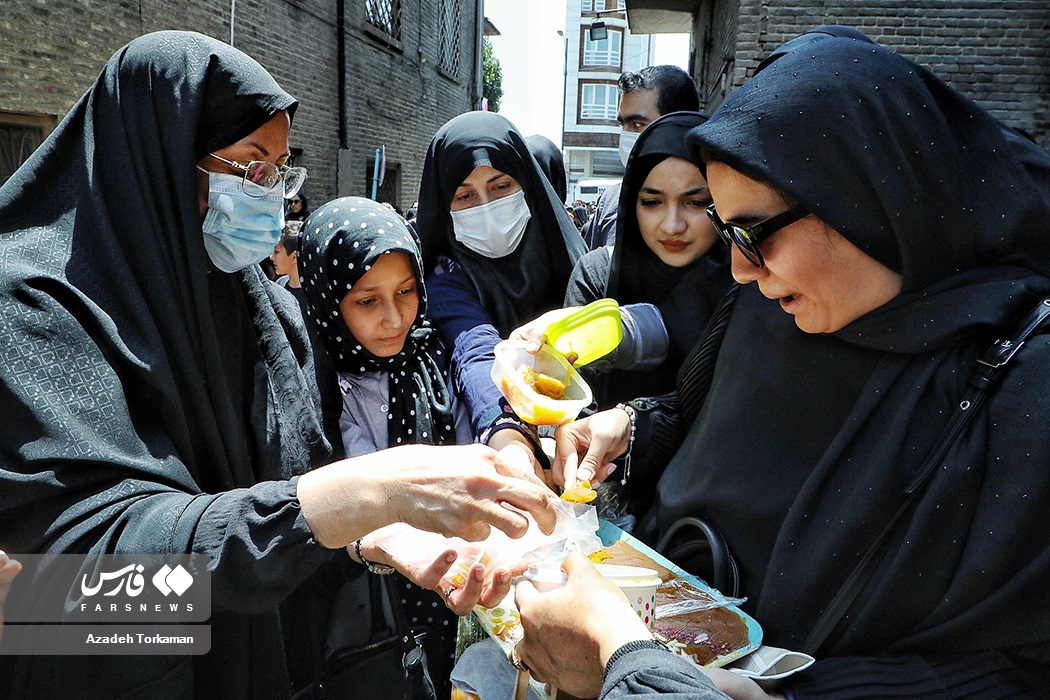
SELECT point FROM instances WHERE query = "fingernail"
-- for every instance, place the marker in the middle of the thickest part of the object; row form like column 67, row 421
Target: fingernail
column 450, row 557
column 504, row 577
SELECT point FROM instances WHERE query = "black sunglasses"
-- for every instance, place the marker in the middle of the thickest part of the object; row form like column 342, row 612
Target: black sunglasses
column 747, row 238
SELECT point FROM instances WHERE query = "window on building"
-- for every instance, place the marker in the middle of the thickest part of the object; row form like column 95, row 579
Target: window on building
column 598, row 101
column 605, row 52
column 390, row 189
column 385, row 15
column 19, row 137
column 450, row 36
column 587, row 6
column 614, row 4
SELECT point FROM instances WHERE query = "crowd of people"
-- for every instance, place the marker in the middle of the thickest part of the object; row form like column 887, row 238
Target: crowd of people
column 827, row 291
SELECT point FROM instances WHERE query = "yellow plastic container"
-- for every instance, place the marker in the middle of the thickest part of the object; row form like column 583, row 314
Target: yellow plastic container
column 530, row 405
column 590, row 332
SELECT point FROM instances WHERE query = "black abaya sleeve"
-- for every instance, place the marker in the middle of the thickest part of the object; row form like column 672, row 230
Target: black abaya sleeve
column 589, row 278
column 651, row 672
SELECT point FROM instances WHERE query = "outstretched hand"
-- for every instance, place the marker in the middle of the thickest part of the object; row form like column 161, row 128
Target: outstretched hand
column 460, row 586
column 9, row 568
column 532, row 331
column 456, row 491
column 585, row 449
column 465, row 491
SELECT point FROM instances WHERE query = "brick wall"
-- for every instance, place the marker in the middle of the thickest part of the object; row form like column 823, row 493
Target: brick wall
column 401, row 96
column 51, row 51
column 997, row 52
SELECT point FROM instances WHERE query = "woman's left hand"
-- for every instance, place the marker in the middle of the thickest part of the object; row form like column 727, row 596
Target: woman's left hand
column 480, row 585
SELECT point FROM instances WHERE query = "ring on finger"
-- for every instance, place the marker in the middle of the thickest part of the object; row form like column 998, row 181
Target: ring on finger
column 516, row 661
column 449, row 592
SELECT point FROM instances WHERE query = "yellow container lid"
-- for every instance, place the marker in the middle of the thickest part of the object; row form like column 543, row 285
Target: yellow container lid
column 590, row 332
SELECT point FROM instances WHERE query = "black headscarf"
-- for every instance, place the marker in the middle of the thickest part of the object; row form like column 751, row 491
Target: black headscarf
column 582, row 215
column 138, row 381
column 340, row 243
column 919, row 156
column 932, row 186
column 110, row 259
column 532, row 279
column 637, row 274
column 686, row 295
column 551, row 161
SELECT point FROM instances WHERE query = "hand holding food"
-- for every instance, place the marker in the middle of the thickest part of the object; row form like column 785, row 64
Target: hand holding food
column 565, row 642
column 585, row 449
column 462, row 584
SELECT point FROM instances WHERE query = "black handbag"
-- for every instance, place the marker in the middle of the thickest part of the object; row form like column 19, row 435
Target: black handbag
column 699, row 547
column 386, row 662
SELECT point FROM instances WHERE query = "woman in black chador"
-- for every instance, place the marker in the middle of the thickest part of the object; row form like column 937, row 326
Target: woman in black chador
column 498, row 249
column 887, row 232
column 158, row 394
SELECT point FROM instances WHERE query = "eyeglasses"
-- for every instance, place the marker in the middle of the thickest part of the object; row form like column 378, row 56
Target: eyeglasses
column 747, row 238
column 261, row 176
column 296, row 201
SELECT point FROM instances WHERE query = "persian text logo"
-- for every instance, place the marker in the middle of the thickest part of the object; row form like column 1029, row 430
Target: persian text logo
column 130, row 580
column 131, row 575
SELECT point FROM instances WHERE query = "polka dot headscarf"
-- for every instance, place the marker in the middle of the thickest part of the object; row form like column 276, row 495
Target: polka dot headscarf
column 340, row 243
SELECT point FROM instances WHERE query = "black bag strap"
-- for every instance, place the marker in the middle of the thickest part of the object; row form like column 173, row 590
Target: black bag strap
column 725, row 577
column 985, row 377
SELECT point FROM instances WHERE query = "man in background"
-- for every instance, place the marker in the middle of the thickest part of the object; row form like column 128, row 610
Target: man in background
column 650, row 93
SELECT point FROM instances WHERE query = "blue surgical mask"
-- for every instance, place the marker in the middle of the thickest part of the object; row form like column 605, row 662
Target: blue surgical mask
column 240, row 230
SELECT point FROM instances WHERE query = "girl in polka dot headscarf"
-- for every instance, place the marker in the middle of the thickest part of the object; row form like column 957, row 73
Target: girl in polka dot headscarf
column 359, row 265
column 360, row 270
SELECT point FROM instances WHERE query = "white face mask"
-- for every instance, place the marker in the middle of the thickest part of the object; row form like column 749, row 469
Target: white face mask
column 240, row 230
column 493, row 229
column 627, row 141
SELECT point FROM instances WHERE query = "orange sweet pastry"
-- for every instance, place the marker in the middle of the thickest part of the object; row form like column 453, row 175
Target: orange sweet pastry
column 544, row 383
column 580, row 493
column 598, row 557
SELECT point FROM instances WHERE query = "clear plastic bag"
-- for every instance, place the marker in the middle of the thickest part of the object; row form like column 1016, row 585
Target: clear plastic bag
column 575, row 531
column 692, row 599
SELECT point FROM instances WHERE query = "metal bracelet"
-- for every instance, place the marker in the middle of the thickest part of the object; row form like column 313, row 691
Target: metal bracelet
column 632, row 414
column 381, row 569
